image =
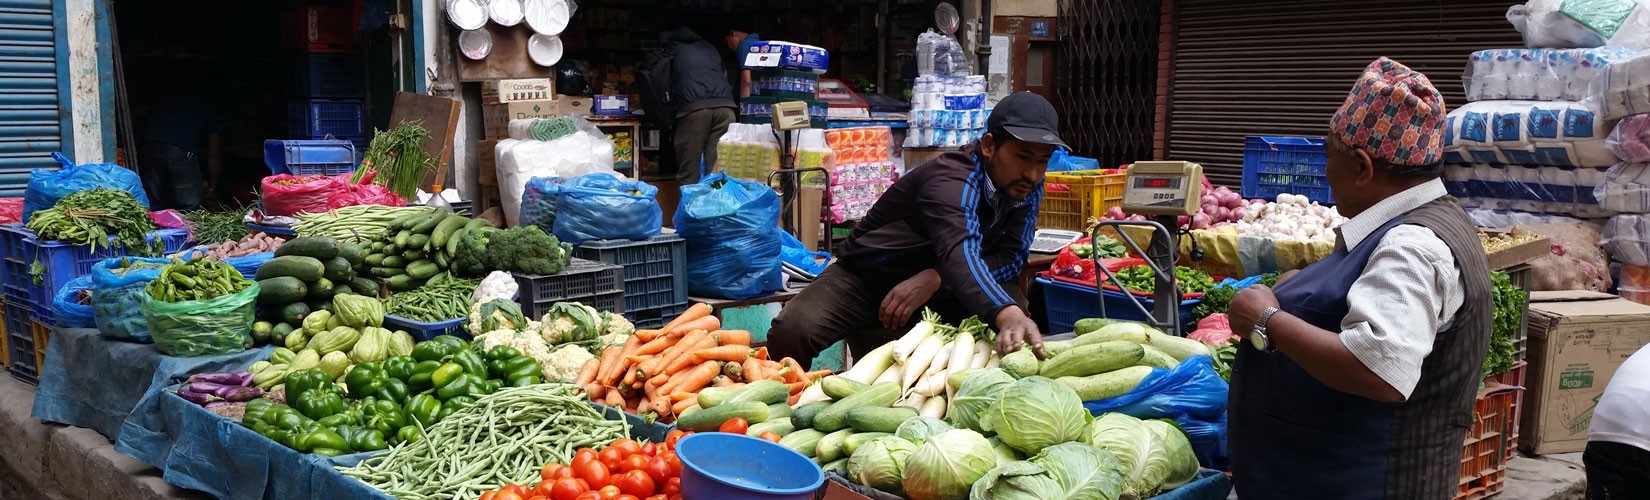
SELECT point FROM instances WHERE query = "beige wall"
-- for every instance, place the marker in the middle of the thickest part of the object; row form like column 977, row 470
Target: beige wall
column 1025, row 8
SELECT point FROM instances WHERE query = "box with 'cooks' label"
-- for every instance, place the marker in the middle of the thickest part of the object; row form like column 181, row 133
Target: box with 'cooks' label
column 1577, row 341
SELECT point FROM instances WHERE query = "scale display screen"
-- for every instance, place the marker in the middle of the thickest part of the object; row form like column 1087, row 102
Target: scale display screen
column 1157, row 182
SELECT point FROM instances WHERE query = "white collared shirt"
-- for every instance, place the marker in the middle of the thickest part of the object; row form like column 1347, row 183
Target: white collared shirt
column 1409, row 290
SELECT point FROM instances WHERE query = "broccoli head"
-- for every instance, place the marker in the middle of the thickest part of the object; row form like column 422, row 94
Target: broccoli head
column 471, row 259
column 528, row 249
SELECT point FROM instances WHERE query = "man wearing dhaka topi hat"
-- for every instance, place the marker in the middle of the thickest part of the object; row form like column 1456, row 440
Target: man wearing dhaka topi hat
column 1361, row 370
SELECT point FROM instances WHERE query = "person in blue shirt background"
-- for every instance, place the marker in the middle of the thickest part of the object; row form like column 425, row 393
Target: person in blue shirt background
column 740, row 41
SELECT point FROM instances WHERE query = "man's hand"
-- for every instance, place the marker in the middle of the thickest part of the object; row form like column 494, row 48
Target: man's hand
column 1247, row 306
column 909, row 296
column 1014, row 329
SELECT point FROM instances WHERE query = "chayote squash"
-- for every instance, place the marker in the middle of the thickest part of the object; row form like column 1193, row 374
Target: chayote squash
column 373, row 346
column 335, row 364
column 401, row 343
column 281, row 356
column 342, row 338
column 317, row 321
column 306, row 359
column 359, row 311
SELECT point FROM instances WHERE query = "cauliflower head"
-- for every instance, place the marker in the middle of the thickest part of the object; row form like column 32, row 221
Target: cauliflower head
column 529, row 344
column 564, row 364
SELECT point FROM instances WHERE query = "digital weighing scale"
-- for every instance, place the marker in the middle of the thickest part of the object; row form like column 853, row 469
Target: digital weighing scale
column 1164, row 190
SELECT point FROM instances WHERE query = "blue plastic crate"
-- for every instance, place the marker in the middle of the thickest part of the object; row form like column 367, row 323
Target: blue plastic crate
column 14, row 271
column 20, row 341
column 656, row 317
column 426, row 331
column 651, row 268
column 310, row 157
column 581, row 278
column 63, row 262
column 1068, row 302
column 319, row 118
column 1278, row 165
column 337, row 76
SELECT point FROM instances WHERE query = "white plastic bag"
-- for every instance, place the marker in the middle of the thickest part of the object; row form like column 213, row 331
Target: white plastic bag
column 1537, row 74
column 1567, row 24
column 586, row 151
column 1622, row 89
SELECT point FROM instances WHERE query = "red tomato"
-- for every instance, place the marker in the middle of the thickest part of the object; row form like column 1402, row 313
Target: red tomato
column 673, row 437
column 561, row 472
column 566, row 489
column 611, row 458
column 770, row 436
column 656, row 497
column 636, row 482
column 519, row 490
column 543, row 488
column 539, row 497
column 673, row 487
column 488, row 495
column 507, row 494
column 583, row 456
column 583, row 485
column 633, row 462
column 650, row 449
column 675, row 463
column 589, row 495
column 659, row 470
column 610, row 492
column 549, row 471
column 735, row 425
column 595, row 474
column 625, row 447
column 628, row 497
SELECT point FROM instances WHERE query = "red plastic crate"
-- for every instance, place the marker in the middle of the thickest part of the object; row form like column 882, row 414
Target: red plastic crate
column 1489, row 444
column 320, row 29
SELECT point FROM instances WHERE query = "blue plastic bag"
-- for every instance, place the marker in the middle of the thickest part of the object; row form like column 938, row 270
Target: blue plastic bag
column 117, row 298
column 66, row 304
column 248, row 264
column 538, row 202
column 48, row 186
column 601, row 207
column 732, row 232
column 1192, row 394
column 792, row 252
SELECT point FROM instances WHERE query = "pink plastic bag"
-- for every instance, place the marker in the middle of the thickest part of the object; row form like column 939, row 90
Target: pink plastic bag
column 11, row 210
column 363, row 193
column 171, row 219
column 288, row 195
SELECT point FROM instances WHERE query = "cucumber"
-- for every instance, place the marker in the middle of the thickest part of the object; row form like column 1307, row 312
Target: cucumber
column 1156, row 358
column 281, row 290
column 298, row 266
column 422, row 269
column 418, row 241
column 319, row 247
column 804, row 441
column 853, row 442
column 709, row 419
column 835, row 417
column 803, row 416
column 1086, row 326
column 337, row 269
column 320, row 289
column 294, row 313
column 445, row 229
column 1091, row 359
column 441, row 260
column 878, row 418
column 830, row 446
column 780, row 411
column 364, row 286
column 427, row 224
column 401, row 238
column 838, row 387
column 387, row 272
column 377, row 247
column 1022, row 363
column 393, row 261
column 840, row 465
column 711, row 396
column 1107, row 385
column 403, row 282
column 414, row 254
column 404, row 221
column 376, row 259
column 351, row 253
column 763, row 391
column 780, row 426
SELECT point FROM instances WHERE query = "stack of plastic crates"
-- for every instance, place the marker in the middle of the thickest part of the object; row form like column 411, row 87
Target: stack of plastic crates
column 310, row 157
column 588, row 282
column 1285, row 165
column 655, row 275
column 1071, row 198
column 328, row 119
column 1489, row 444
column 24, row 358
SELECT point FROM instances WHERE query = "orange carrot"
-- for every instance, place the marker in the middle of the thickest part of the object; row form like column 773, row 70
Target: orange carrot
column 587, row 373
column 795, row 396
column 819, row 374
column 752, row 369
column 735, row 353
column 687, row 359
column 707, row 323
column 629, row 377
column 610, row 357
column 658, row 380
column 797, row 372
column 615, row 399
column 721, row 381
column 733, row 337
column 796, row 387
column 762, row 353
column 688, row 402
column 693, row 312
column 648, row 335
column 773, row 370
column 694, row 379
column 610, row 378
column 595, row 391
column 670, row 354
column 635, row 360
column 655, row 346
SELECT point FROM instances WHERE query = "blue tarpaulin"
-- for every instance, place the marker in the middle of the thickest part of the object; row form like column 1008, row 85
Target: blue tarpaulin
column 93, row 381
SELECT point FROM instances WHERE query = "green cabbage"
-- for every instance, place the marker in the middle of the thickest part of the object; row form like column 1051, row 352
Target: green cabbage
column 919, row 429
column 1134, row 444
column 1016, row 480
column 1072, row 471
column 1035, row 413
column 945, row 467
column 977, row 393
column 880, row 463
column 1004, row 453
column 1173, row 444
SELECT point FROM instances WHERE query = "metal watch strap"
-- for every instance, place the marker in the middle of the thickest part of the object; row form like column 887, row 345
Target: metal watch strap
column 1260, row 328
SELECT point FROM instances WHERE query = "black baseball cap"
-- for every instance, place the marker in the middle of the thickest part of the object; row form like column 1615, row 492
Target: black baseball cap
column 1028, row 117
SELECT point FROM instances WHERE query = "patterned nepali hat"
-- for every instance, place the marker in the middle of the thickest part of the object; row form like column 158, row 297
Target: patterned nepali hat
column 1394, row 114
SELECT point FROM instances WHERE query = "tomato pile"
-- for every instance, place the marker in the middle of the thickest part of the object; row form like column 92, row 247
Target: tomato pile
column 624, row 470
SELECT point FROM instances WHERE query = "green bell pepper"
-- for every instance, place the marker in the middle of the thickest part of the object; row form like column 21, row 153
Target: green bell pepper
column 399, row 367
column 451, row 341
column 365, row 379
column 446, row 374
column 319, row 404
column 319, row 437
column 385, row 416
column 462, row 384
column 409, row 434
column 490, row 386
column 280, row 436
column 255, row 410
column 520, row 366
column 424, row 409
column 329, row 452
column 306, row 380
column 392, row 390
column 502, row 353
column 455, row 404
column 470, row 361
column 337, row 420
column 362, row 439
column 420, row 380
column 259, row 426
column 431, row 350
column 284, row 417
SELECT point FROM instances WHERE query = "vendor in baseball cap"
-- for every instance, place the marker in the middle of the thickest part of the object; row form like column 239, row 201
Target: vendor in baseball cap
column 1027, row 117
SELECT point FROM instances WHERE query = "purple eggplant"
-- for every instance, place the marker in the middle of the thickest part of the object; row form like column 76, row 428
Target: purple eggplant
column 219, row 390
column 243, row 379
column 216, row 404
column 200, row 398
column 243, row 394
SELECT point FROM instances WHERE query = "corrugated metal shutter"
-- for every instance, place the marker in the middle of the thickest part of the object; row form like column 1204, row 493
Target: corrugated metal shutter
column 31, row 115
column 1283, row 67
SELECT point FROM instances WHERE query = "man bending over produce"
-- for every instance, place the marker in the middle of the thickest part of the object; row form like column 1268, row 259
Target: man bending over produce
column 952, row 235
column 1369, row 398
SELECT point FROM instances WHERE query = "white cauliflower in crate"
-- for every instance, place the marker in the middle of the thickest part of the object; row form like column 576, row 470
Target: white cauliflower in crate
column 564, row 364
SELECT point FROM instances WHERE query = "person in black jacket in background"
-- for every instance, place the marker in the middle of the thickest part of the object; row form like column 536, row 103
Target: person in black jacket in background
column 705, row 106
column 951, row 235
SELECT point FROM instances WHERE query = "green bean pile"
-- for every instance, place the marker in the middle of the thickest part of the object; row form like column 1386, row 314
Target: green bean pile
column 355, row 224
column 435, row 301
column 503, row 438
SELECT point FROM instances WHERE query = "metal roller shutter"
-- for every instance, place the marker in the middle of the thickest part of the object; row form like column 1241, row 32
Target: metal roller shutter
column 32, row 115
column 1283, row 67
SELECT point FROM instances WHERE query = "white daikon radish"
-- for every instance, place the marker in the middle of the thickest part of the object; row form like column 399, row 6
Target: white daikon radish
column 933, row 407
column 962, row 352
column 913, row 339
column 813, row 393
column 995, row 361
column 932, row 385
column 912, row 400
column 982, row 354
column 868, row 367
column 890, row 375
column 920, row 359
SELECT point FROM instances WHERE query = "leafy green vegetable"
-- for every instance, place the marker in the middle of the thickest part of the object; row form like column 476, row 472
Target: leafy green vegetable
column 1035, row 413
column 918, row 430
column 1141, row 279
column 947, row 465
column 399, row 157
column 1180, row 461
column 1509, row 316
column 216, row 227
column 977, row 393
column 1132, row 443
column 91, row 216
column 1215, row 300
column 1269, row 279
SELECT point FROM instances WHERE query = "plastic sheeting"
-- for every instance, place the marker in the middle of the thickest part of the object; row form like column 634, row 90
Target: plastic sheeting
column 1536, row 189
column 1536, row 74
column 94, row 382
column 47, row 186
column 1631, row 138
column 732, row 232
column 1582, row 23
column 604, row 207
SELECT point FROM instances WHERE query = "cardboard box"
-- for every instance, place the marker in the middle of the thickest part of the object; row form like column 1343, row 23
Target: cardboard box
column 1577, row 341
column 526, row 89
column 576, row 105
column 487, row 162
column 496, row 118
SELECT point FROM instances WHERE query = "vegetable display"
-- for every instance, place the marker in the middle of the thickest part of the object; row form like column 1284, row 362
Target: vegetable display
column 1153, row 455
column 1510, row 302
column 399, row 158
column 90, row 217
column 1106, row 248
column 196, row 279
column 1141, row 278
column 1292, row 217
column 561, row 345
column 211, row 226
column 441, row 299
column 306, row 274
column 354, row 224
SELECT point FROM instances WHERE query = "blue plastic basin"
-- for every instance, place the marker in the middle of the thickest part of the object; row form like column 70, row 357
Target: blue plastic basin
column 728, row 466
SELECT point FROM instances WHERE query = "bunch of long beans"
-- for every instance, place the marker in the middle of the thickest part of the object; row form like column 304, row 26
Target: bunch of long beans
column 398, row 156
column 355, row 224
column 435, row 301
column 503, row 438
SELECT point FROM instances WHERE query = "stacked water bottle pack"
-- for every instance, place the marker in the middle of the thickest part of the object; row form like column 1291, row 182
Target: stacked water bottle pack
column 947, row 111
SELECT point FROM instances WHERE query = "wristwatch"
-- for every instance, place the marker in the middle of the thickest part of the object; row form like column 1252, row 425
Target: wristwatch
column 1257, row 337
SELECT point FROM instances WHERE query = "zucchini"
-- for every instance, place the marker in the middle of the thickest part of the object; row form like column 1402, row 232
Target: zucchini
column 780, row 426
column 304, row 268
column 445, row 229
column 393, row 261
column 709, row 419
column 804, row 441
column 403, row 282
column 281, row 290
column 418, row 241
column 427, row 224
column 321, row 289
column 838, row 387
column 319, row 247
column 352, row 253
column 387, row 272
column 878, row 418
column 1107, row 385
column 337, row 269
column 853, row 442
column 1091, row 359
column 802, row 416
column 830, row 446
column 780, row 411
column 365, row 286
column 422, row 269
column 835, row 417
column 376, row 259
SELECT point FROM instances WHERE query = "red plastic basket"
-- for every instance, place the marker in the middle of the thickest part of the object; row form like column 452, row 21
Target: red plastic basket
column 1489, row 444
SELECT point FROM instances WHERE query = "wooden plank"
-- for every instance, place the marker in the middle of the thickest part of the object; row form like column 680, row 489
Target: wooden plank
column 507, row 60
column 439, row 115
